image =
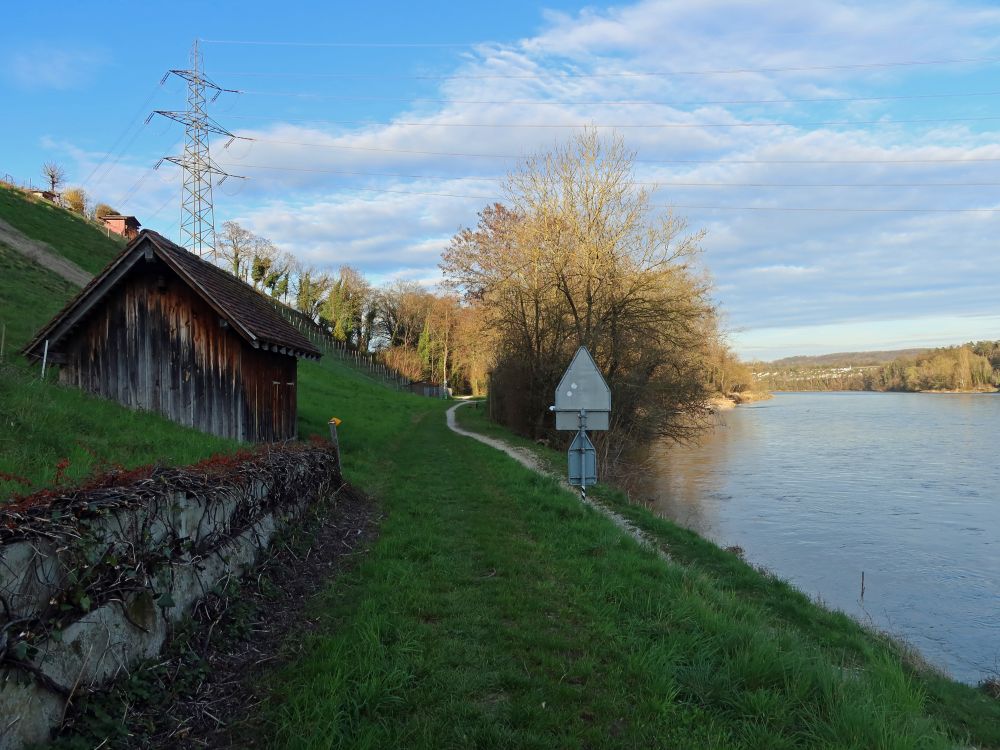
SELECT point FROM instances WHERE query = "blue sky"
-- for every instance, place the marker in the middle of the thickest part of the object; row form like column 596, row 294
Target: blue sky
column 834, row 180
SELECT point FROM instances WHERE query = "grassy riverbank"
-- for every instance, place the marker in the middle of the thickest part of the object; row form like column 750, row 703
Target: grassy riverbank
column 959, row 707
column 495, row 610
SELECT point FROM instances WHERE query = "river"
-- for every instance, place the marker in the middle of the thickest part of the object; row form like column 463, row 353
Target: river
column 818, row 487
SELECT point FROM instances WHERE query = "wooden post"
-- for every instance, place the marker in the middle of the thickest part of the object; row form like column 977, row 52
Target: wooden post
column 335, row 440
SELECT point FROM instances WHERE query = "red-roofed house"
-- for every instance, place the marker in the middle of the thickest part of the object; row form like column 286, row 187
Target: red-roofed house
column 126, row 226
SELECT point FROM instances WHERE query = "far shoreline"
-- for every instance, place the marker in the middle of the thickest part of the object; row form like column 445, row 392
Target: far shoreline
column 969, row 392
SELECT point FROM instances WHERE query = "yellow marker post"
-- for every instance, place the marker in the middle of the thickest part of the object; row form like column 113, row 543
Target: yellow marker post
column 334, row 424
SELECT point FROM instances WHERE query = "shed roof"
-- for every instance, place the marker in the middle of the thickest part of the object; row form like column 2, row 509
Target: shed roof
column 126, row 217
column 252, row 315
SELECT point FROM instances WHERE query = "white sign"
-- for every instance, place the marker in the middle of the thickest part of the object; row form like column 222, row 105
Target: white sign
column 582, row 388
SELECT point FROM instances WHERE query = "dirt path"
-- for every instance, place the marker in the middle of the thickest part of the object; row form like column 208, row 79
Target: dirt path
column 527, row 459
column 43, row 255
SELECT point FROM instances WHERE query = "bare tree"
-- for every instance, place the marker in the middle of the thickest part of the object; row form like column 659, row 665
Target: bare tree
column 236, row 248
column 55, row 174
column 578, row 258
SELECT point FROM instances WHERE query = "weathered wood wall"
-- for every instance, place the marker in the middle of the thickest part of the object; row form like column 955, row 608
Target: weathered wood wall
column 154, row 344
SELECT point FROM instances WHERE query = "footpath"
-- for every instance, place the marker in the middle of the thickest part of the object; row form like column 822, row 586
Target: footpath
column 43, row 255
column 528, row 460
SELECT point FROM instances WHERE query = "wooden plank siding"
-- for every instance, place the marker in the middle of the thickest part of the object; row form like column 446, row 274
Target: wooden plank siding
column 155, row 344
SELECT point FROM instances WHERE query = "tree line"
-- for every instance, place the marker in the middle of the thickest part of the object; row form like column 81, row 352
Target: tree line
column 420, row 334
column 974, row 366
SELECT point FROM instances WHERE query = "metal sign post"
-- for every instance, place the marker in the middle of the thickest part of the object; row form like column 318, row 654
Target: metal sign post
column 583, row 402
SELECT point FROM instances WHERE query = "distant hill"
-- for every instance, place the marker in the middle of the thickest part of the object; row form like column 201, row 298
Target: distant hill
column 844, row 359
column 77, row 239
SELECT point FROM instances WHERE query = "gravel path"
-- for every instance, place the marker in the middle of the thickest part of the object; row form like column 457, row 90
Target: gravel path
column 42, row 254
column 528, row 459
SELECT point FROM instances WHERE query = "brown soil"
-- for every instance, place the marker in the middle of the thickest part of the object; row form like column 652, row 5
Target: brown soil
column 205, row 689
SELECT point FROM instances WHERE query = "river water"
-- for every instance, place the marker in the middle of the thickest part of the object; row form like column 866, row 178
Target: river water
column 818, row 487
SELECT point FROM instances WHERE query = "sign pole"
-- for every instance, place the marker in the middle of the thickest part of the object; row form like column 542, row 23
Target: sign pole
column 582, row 392
column 583, row 451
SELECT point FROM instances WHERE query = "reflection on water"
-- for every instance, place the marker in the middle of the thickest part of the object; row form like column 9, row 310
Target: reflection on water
column 819, row 487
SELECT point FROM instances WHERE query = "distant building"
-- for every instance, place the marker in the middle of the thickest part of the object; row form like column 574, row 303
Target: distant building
column 429, row 389
column 126, row 226
column 47, row 195
column 162, row 330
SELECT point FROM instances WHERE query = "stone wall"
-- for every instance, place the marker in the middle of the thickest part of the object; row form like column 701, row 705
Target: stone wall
column 91, row 580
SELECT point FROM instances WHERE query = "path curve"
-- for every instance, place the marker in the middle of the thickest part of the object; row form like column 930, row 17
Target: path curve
column 43, row 255
column 527, row 459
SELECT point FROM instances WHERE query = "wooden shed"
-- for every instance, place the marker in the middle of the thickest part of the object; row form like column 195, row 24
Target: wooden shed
column 163, row 330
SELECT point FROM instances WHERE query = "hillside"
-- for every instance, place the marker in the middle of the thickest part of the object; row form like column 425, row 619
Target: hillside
column 971, row 367
column 73, row 236
column 494, row 609
column 52, row 434
column 841, row 359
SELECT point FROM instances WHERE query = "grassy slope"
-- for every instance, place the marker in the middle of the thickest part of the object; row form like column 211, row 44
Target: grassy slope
column 41, row 423
column 958, row 706
column 495, row 610
column 70, row 235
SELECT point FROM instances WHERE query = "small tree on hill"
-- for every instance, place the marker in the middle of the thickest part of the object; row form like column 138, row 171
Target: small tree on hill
column 76, row 200
column 103, row 209
column 55, row 174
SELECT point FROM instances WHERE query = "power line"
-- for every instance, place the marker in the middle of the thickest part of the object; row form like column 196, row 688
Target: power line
column 632, row 74
column 823, row 209
column 635, row 126
column 597, row 102
column 466, row 154
column 142, row 108
column 494, row 178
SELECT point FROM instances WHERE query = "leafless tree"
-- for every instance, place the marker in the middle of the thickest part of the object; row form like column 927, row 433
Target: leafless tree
column 55, row 174
column 577, row 257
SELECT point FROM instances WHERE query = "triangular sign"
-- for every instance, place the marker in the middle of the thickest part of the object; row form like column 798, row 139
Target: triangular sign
column 582, row 388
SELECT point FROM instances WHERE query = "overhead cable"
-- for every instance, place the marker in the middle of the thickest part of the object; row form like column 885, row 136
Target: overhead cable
column 672, row 183
column 465, row 154
column 629, row 74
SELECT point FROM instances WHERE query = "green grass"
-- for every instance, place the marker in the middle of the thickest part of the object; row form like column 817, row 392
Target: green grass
column 43, row 424
column 69, row 234
column 961, row 708
column 496, row 611
column 29, row 296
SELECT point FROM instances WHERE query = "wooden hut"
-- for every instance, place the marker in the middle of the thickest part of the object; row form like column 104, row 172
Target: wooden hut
column 163, row 330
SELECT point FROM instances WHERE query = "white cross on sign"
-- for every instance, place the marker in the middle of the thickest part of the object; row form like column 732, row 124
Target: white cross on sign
column 582, row 388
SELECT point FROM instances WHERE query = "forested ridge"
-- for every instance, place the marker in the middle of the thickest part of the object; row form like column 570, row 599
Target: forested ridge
column 974, row 366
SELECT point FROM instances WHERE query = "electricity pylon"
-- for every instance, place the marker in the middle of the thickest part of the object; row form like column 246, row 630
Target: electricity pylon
column 197, row 211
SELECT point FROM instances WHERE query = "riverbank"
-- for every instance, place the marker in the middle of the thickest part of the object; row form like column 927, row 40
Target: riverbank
column 966, row 391
column 959, row 708
column 721, row 402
